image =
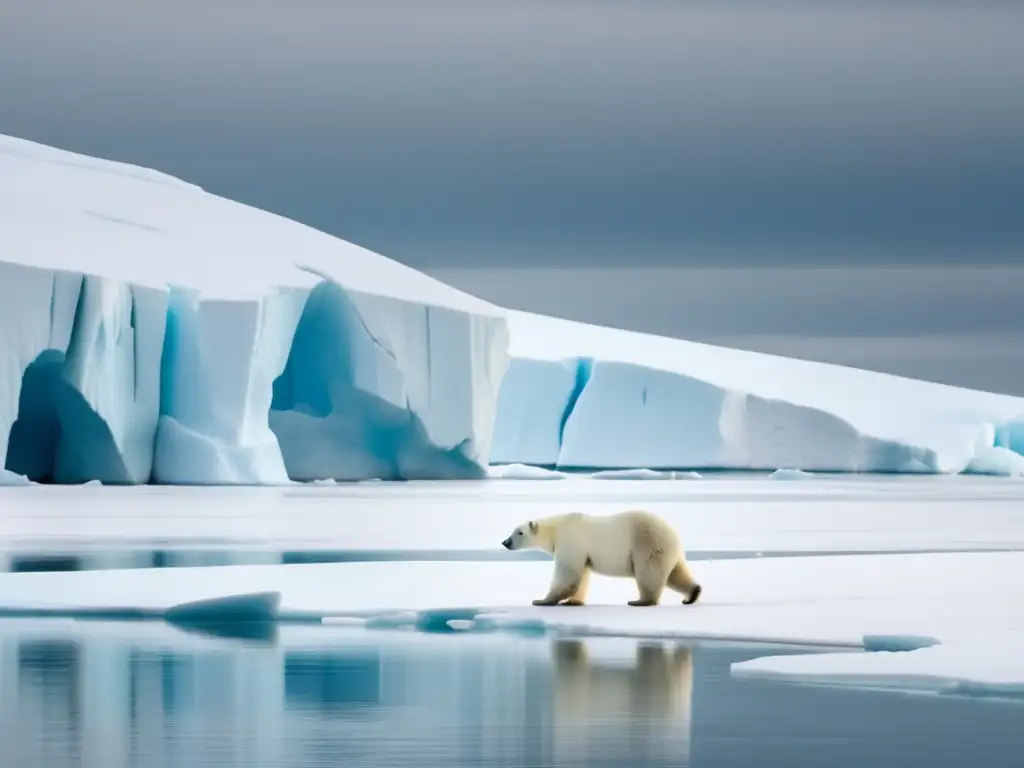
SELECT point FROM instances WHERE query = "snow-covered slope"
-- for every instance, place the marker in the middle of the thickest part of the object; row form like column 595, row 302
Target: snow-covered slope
column 149, row 330
column 579, row 395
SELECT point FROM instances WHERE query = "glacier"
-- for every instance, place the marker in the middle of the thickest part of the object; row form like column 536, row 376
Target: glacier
column 151, row 332
column 579, row 396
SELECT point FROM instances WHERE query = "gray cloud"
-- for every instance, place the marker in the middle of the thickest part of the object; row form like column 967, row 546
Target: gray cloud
column 699, row 138
column 569, row 132
column 979, row 361
column 961, row 326
column 828, row 302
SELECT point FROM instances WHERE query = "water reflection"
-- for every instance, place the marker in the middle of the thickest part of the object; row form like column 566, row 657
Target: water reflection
column 328, row 684
column 107, row 695
column 48, row 708
column 600, row 682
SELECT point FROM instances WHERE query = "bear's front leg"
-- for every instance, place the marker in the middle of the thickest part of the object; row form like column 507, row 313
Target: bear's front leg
column 563, row 586
column 579, row 597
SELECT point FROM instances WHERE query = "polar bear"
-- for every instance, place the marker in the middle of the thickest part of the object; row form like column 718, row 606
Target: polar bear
column 628, row 544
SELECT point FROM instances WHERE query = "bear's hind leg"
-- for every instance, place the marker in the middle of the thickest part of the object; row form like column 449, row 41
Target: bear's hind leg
column 681, row 580
column 647, row 597
column 650, row 581
column 580, row 596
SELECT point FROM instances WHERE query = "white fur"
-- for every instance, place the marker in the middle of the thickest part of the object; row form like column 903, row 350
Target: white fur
column 629, row 544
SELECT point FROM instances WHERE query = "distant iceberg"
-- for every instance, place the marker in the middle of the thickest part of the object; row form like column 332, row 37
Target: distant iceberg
column 578, row 396
column 152, row 332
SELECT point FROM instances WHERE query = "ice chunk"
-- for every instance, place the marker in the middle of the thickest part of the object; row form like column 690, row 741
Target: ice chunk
column 894, row 643
column 997, row 461
column 257, row 607
column 790, row 474
column 440, row 619
column 649, row 401
column 524, row 472
column 642, row 474
column 154, row 325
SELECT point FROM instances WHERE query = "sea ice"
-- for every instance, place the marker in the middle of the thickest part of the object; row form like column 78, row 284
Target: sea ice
column 848, row 603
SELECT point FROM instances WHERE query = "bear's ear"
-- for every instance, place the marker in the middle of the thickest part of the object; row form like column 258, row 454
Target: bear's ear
column 533, row 526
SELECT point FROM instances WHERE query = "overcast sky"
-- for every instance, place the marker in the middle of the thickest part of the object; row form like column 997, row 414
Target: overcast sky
column 760, row 167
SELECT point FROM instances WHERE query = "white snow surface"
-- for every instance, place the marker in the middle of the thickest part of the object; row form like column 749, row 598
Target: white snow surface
column 165, row 323
column 825, row 600
column 151, row 331
column 8, row 478
column 747, row 516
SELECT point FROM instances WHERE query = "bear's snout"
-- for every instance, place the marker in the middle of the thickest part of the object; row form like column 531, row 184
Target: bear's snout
column 507, row 543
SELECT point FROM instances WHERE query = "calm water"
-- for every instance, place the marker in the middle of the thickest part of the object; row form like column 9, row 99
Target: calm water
column 101, row 695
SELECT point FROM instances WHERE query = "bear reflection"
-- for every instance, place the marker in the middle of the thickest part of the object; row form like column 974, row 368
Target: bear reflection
column 618, row 698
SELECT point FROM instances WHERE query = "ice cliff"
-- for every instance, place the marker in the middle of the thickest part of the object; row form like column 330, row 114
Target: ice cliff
column 582, row 396
column 152, row 332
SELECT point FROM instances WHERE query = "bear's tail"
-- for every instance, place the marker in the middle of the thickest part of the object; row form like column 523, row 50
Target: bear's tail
column 682, row 581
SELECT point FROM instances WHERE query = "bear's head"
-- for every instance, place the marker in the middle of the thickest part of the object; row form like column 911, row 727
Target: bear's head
column 523, row 537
